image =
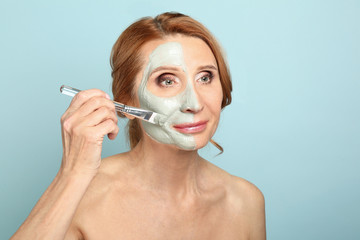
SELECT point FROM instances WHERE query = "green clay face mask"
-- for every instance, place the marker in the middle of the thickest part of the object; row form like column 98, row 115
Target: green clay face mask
column 168, row 54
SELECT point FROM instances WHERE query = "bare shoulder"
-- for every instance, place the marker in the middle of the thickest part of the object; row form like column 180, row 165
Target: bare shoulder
column 250, row 204
column 247, row 191
column 245, row 203
column 237, row 188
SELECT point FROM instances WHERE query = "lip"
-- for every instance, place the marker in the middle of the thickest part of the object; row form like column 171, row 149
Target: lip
column 191, row 127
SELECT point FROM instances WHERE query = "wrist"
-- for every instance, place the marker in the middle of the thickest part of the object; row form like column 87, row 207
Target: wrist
column 76, row 174
column 73, row 167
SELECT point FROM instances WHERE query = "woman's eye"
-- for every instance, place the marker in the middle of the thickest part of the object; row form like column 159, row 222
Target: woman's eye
column 205, row 79
column 166, row 80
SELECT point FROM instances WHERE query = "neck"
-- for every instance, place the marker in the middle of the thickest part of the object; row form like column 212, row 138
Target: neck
column 165, row 169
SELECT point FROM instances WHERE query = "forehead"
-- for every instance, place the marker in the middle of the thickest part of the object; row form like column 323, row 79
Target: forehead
column 195, row 51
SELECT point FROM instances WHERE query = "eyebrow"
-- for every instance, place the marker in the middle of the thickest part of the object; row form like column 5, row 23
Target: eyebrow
column 207, row 67
column 161, row 68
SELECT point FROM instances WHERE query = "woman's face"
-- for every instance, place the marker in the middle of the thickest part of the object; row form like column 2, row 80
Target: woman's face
column 180, row 80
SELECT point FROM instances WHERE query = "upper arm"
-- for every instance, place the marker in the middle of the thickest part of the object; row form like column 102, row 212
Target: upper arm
column 253, row 209
column 257, row 218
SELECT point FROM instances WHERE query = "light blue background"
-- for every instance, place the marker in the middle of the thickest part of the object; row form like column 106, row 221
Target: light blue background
column 292, row 129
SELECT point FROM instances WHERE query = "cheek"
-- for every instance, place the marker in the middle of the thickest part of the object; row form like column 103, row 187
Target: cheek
column 218, row 95
column 213, row 98
column 162, row 105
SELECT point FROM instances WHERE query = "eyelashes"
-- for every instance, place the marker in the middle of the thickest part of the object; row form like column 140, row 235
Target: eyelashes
column 206, row 78
column 167, row 80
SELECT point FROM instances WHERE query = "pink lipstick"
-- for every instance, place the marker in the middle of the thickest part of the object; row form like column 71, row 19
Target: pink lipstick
column 191, row 127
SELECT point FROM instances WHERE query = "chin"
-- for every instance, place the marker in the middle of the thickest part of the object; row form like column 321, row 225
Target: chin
column 204, row 138
column 200, row 143
column 199, row 146
column 191, row 147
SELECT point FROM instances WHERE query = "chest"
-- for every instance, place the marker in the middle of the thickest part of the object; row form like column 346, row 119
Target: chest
column 155, row 220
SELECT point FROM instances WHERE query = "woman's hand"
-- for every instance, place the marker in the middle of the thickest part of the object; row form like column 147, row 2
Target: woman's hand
column 90, row 116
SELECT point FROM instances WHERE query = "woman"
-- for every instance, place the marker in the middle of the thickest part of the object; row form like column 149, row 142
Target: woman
column 161, row 188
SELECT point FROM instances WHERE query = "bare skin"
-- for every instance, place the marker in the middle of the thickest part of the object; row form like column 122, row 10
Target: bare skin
column 155, row 191
column 176, row 194
column 119, row 205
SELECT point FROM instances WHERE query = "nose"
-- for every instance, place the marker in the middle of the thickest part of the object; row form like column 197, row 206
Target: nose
column 190, row 101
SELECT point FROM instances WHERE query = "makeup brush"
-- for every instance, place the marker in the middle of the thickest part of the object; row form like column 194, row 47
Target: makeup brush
column 142, row 114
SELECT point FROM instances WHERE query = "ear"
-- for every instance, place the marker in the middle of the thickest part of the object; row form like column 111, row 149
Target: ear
column 128, row 116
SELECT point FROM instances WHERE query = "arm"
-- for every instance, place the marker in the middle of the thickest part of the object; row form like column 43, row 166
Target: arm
column 90, row 116
column 252, row 210
column 258, row 227
column 52, row 215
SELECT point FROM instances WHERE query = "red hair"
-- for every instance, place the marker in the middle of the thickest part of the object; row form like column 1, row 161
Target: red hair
column 126, row 62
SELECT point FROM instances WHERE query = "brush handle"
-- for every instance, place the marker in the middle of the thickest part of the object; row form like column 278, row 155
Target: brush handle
column 69, row 90
column 136, row 112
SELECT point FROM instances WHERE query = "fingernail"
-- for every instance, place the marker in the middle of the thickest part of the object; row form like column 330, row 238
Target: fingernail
column 107, row 96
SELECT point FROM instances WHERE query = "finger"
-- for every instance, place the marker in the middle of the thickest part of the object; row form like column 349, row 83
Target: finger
column 84, row 96
column 87, row 108
column 98, row 116
column 76, row 120
column 93, row 104
column 112, row 135
column 106, row 127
